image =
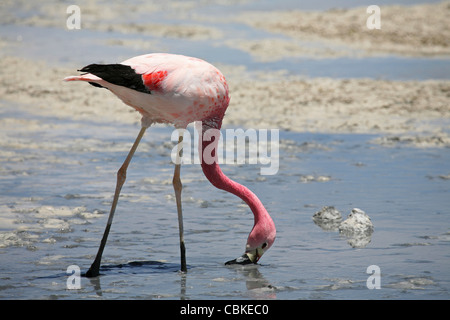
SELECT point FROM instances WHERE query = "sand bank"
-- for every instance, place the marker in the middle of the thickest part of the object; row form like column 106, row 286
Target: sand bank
column 288, row 103
column 419, row 30
column 411, row 112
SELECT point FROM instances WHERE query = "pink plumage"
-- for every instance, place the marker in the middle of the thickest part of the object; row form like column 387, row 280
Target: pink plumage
column 183, row 89
column 178, row 90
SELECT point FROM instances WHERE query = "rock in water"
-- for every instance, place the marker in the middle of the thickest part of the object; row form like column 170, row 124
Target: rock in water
column 358, row 228
column 357, row 222
column 328, row 218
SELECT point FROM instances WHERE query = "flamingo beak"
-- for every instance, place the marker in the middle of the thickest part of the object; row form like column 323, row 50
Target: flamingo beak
column 251, row 256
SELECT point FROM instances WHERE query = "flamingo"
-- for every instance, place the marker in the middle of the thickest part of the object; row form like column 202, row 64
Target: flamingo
column 178, row 90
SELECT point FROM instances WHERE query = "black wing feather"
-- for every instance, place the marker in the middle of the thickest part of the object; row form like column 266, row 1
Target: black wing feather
column 117, row 74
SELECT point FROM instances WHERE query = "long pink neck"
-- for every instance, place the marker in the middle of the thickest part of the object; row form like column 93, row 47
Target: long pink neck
column 215, row 175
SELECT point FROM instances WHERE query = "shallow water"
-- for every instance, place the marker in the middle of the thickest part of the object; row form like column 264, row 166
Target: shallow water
column 57, row 181
column 57, row 187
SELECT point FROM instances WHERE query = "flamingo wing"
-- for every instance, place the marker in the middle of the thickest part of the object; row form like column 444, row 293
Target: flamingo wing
column 118, row 74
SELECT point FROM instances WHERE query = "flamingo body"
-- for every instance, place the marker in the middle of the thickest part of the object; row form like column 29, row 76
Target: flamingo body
column 164, row 88
column 176, row 89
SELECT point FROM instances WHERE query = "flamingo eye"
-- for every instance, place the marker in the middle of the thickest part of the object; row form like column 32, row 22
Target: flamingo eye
column 264, row 245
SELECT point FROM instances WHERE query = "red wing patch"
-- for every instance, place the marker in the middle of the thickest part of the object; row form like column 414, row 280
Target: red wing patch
column 153, row 80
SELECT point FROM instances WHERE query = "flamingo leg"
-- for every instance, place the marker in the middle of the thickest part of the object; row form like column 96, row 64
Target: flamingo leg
column 177, row 186
column 94, row 270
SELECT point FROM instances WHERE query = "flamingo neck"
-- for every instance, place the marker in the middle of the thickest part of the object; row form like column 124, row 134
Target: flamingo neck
column 208, row 143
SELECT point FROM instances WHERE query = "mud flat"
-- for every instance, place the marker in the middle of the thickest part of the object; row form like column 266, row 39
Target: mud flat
column 409, row 112
column 419, row 30
column 420, row 109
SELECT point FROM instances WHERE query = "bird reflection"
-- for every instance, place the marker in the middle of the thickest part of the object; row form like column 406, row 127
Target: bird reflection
column 130, row 267
column 258, row 286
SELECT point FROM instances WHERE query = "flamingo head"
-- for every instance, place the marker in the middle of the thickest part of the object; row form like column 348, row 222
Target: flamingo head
column 260, row 239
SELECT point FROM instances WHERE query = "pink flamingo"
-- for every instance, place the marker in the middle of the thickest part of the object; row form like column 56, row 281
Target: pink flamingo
column 175, row 89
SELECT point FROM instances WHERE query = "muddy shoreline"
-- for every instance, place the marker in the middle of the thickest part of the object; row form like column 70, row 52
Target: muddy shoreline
column 418, row 109
column 413, row 112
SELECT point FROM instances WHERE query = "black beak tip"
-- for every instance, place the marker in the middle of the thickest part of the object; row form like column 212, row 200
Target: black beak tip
column 242, row 260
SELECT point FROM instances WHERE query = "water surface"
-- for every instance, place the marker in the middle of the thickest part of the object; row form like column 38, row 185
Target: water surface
column 56, row 194
column 57, row 179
